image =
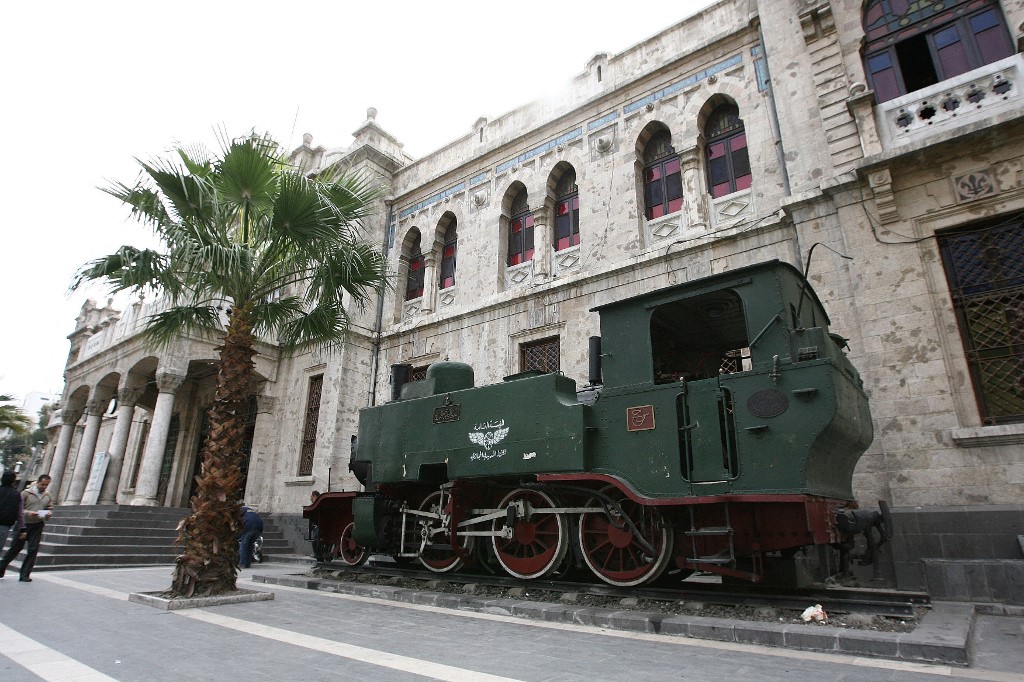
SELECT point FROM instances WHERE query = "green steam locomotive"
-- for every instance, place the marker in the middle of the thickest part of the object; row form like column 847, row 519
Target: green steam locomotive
column 719, row 432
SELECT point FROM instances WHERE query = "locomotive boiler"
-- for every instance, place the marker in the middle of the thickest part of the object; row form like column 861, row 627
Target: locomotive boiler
column 719, row 432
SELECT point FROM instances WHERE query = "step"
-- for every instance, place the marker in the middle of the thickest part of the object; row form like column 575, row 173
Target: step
column 709, row 531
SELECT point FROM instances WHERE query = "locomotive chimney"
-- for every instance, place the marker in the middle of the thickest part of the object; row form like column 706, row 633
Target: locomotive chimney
column 399, row 377
column 595, row 360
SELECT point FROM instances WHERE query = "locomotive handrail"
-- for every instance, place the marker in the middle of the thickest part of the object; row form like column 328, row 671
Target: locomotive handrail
column 777, row 318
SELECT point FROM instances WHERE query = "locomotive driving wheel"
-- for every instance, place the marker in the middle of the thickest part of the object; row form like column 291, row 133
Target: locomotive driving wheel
column 349, row 551
column 539, row 540
column 611, row 543
column 438, row 554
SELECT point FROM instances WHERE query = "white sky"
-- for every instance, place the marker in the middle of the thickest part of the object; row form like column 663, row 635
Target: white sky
column 88, row 87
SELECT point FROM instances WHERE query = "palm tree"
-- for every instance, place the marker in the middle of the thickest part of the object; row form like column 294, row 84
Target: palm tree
column 13, row 418
column 251, row 248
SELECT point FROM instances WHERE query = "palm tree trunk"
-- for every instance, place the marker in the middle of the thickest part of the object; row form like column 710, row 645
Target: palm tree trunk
column 209, row 562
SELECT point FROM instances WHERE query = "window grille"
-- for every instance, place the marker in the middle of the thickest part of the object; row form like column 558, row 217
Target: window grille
column 520, row 232
column 985, row 270
column 663, row 183
column 567, row 211
column 418, row 373
column 448, row 251
column 171, row 444
column 540, row 356
column 309, row 429
column 728, row 162
column 414, row 284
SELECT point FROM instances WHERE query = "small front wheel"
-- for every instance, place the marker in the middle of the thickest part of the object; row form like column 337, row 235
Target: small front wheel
column 349, row 551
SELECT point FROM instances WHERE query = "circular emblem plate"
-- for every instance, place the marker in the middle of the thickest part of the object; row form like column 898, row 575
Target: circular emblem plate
column 767, row 403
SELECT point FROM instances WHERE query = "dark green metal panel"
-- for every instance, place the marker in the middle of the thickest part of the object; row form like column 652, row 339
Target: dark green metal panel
column 531, row 425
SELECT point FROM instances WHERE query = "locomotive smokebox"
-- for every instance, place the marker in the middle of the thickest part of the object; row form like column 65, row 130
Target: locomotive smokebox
column 595, row 360
column 399, row 377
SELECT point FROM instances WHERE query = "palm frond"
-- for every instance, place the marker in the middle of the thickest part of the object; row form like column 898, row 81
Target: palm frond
column 163, row 328
column 322, row 327
column 11, row 417
column 146, row 205
column 128, row 268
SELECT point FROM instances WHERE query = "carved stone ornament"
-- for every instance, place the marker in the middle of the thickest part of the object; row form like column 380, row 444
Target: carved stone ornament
column 70, row 415
column 603, row 144
column 974, row 185
column 712, row 79
column 129, row 397
column 857, row 89
column 479, row 198
column 885, row 199
column 650, row 106
column 96, row 406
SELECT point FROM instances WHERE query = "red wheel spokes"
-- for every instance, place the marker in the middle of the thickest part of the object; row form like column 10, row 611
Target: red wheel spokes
column 538, row 542
column 349, row 550
column 611, row 549
column 441, row 559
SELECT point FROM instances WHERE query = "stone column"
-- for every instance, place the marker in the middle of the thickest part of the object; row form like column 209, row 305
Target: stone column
column 127, row 398
column 152, row 458
column 429, row 282
column 542, row 241
column 83, row 463
column 695, row 197
column 68, row 418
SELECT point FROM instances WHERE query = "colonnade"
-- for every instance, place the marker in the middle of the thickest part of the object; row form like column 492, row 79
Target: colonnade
column 147, row 484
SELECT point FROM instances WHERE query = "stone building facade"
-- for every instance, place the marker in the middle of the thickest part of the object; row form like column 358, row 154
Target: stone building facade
column 889, row 132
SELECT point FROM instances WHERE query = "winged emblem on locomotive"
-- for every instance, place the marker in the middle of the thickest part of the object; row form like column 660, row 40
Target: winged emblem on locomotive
column 488, row 439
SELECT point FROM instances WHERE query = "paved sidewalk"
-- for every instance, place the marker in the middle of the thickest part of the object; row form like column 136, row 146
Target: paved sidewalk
column 79, row 625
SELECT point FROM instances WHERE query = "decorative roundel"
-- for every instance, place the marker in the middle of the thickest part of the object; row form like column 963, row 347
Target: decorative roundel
column 767, row 403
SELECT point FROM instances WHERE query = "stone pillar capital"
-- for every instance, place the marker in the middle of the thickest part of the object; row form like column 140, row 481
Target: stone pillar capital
column 96, row 406
column 70, row 415
column 129, row 397
column 689, row 156
column 169, row 382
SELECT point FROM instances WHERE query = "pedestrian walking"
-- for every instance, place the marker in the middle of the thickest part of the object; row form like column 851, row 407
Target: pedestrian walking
column 37, row 505
column 12, row 509
column 252, row 528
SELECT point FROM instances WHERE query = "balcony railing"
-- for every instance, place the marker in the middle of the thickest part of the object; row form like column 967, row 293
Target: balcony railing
column 954, row 103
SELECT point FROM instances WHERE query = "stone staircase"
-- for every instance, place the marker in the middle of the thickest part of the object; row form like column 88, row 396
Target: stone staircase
column 116, row 536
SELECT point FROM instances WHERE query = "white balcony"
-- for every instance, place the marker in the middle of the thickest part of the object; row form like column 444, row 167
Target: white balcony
column 961, row 102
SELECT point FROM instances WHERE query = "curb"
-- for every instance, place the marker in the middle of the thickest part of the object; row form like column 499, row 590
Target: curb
column 943, row 636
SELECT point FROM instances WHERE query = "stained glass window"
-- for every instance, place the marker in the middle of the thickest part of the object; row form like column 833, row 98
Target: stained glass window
column 567, row 211
column 520, row 232
column 728, row 161
column 414, row 283
column 913, row 44
column 663, row 184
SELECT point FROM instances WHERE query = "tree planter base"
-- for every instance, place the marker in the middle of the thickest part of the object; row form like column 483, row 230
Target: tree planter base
column 160, row 601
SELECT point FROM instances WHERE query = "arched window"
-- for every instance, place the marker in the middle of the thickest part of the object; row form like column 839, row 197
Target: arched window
column 414, row 284
column 663, row 184
column 567, row 211
column 520, row 231
column 911, row 45
column 448, row 249
column 728, row 163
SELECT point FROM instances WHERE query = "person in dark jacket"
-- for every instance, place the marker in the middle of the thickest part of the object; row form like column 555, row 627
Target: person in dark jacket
column 37, row 504
column 252, row 528
column 12, row 510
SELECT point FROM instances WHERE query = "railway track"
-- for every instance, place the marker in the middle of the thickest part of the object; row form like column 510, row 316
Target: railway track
column 879, row 602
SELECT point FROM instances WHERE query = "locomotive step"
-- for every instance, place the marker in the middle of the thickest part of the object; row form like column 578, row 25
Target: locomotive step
column 710, row 530
column 711, row 560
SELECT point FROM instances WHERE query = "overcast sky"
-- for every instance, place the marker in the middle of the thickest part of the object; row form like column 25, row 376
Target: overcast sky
column 88, row 87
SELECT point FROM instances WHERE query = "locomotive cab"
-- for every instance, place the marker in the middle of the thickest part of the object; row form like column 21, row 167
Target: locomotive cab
column 731, row 384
